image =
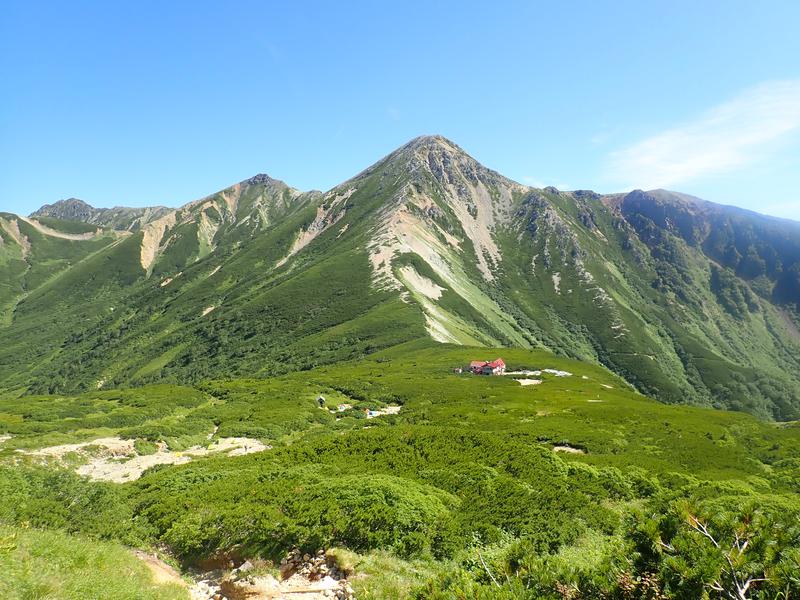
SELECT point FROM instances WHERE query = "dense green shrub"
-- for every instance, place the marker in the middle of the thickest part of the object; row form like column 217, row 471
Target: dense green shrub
column 43, row 497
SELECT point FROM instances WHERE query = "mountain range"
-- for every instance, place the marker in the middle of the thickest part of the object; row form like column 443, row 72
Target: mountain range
column 689, row 301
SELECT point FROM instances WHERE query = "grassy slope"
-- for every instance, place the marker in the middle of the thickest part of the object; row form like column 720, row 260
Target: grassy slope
column 42, row 258
column 49, row 564
column 318, row 308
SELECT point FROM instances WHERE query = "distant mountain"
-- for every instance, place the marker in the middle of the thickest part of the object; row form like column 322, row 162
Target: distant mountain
column 762, row 250
column 120, row 218
column 690, row 301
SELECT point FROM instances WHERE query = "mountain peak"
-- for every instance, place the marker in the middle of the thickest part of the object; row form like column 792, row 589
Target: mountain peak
column 427, row 141
column 72, row 208
column 448, row 162
column 430, row 151
column 432, row 144
column 261, row 179
column 434, row 158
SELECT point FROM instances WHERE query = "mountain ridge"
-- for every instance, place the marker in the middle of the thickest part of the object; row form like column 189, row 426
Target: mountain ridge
column 689, row 304
column 421, row 142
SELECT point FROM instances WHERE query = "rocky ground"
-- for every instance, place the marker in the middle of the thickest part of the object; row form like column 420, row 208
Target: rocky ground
column 301, row 577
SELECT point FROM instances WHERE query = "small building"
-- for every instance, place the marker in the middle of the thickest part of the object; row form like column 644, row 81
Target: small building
column 476, row 366
column 483, row 367
column 496, row 367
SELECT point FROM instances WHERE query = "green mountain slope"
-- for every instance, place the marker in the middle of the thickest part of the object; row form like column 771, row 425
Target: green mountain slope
column 690, row 302
column 36, row 251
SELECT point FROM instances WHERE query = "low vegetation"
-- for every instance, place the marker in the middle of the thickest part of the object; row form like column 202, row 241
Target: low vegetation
column 459, row 494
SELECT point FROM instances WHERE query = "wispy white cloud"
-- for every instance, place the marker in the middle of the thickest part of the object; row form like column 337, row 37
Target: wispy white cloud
column 728, row 136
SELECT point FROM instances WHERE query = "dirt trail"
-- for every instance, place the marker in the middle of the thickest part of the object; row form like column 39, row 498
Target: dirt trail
column 300, row 587
column 44, row 229
column 389, row 410
column 296, row 587
column 162, row 573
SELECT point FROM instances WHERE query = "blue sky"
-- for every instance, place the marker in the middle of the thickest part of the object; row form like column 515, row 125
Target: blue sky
column 137, row 103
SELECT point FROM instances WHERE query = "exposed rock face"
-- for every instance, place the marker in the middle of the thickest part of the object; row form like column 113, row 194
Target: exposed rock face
column 446, row 193
column 250, row 205
column 261, row 179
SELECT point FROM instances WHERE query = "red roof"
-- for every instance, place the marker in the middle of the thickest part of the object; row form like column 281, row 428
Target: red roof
column 477, row 363
column 496, row 363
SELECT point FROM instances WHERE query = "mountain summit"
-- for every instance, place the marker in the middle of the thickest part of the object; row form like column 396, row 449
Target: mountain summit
column 689, row 301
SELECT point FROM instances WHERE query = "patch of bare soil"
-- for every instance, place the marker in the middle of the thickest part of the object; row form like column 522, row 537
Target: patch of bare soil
column 389, row 410
column 326, row 217
column 529, row 381
column 152, row 234
column 568, row 449
column 11, row 227
column 114, row 459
